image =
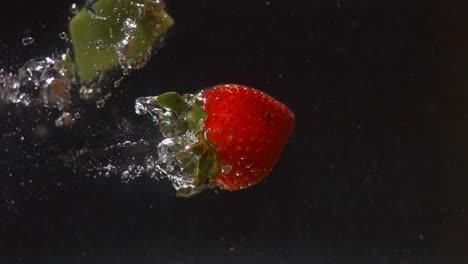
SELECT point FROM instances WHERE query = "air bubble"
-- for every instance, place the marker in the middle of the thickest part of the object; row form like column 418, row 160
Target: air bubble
column 27, row 41
column 66, row 119
column 118, row 82
column 64, row 36
column 74, row 9
column 226, row 169
column 101, row 103
column 110, row 168
column 127, row 144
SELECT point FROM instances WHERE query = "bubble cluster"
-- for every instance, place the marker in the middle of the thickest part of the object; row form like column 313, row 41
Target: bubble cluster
column 42, row 81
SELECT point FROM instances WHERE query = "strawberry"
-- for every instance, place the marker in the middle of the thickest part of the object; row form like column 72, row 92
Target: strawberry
column 229, row 136
column 248, row 130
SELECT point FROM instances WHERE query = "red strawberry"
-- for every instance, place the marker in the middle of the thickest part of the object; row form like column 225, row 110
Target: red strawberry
column 248, row 129
column 230, row 136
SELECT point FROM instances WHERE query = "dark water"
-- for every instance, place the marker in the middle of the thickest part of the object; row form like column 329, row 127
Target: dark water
column 375, row 172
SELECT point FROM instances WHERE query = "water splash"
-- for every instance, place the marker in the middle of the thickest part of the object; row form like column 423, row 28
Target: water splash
column 123, row 46
column 176, row 158
column 42, row 81
column 128, row 160
column 51, row 82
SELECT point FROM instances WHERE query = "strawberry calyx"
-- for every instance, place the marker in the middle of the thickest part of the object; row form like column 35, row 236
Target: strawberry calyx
column 185, row 155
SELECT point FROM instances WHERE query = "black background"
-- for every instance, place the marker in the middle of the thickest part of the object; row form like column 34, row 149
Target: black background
column 375, row 171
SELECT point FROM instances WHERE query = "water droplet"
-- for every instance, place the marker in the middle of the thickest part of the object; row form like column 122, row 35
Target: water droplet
column 66, row 119
column 99, row 44
column 110, row 168
column 87, row 92
column 74, row 9
column 27, row 41
column 101, row 103
column 118, row 82
column 64, row 36
column 127, row 144
column 226, row 169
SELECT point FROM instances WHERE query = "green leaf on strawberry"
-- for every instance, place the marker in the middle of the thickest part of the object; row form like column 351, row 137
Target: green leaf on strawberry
column 196, row 118
column 174, row 102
